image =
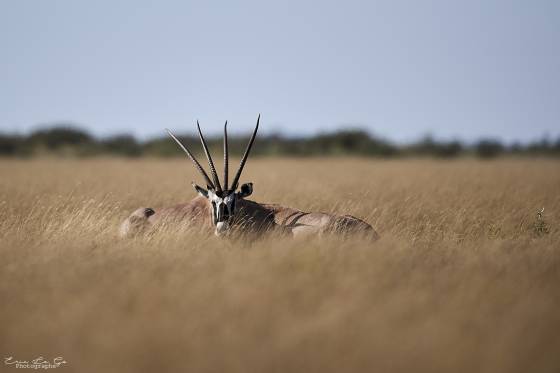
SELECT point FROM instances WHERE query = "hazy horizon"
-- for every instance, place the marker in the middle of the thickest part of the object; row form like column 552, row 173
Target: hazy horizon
column 218, row 134
column 400, row 70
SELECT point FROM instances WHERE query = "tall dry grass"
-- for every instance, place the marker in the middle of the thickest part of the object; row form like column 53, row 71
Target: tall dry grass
column 464, row 279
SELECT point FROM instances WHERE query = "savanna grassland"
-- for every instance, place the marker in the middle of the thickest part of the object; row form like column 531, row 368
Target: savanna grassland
column 465, row 277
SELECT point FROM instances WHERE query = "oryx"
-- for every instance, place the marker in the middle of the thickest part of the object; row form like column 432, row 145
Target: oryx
column 225, row 207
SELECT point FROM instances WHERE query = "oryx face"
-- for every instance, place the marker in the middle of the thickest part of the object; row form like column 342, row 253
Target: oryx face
column 224, row 205
column 224, row 200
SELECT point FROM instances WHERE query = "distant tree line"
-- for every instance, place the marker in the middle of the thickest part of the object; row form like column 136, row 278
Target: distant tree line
column 72, row 141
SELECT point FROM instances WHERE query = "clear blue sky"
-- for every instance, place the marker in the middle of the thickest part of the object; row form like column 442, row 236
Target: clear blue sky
column 465, row 69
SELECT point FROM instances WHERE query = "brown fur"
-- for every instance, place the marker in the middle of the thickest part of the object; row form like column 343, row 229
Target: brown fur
column 251, row 217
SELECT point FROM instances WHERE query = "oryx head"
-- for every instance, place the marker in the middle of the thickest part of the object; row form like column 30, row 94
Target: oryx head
column 223, row 200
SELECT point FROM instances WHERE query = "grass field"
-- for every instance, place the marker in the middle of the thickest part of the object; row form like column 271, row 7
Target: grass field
column 465, row 278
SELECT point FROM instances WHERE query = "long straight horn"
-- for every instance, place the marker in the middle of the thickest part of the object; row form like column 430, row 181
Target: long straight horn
column 226, row 155
column 197, row 165
column 209, row 157
column 245, row 156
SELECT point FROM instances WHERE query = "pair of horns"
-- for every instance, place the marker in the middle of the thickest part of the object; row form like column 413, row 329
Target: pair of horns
column 215, row 183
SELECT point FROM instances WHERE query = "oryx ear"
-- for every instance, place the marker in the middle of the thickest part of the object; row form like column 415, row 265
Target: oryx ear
column 201, row 191
column 246, row 190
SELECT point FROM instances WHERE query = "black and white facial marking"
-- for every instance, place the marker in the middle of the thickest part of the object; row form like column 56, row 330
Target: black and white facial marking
column 224, row 200
column 224, row 205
